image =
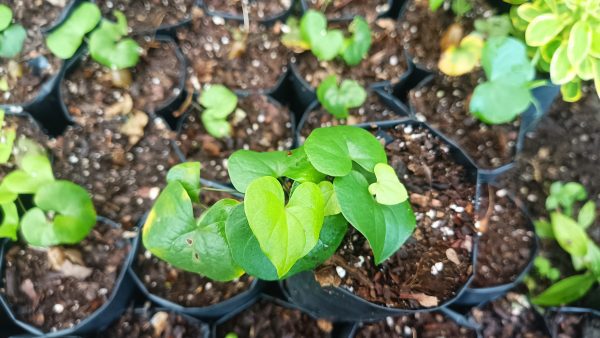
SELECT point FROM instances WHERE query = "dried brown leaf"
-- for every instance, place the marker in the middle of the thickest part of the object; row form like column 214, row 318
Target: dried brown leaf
column 122, row 107
column 134, row 127
column 452, row 256
column 451, row 37
column 423, row 299
column 159, row 322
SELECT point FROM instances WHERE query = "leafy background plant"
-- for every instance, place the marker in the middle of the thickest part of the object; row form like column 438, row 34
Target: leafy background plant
column 12, row 36
column 337, row 100
column 219, row 102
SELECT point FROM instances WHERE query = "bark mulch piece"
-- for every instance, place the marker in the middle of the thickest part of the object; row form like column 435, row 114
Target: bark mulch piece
column 264, row 125
column 437, row 260
column 148, row 15
column 424, row 325
column 51, row 300
column 444, row 104
column 269, row 320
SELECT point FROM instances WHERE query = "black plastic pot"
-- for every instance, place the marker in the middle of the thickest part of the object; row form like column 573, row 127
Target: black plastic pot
column 339, row 304
column 165, row 110
column 473, row 296
column 393, row 12
column 388, row 99
column 209, row 312
column 103, row 316
column 587, row 315
column 201, row 326
column 307, row 94
column 544, row 95
column 265, row 21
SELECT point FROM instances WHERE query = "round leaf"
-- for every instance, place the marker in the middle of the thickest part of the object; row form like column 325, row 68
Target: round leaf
column 387, row 190
column 498, row 102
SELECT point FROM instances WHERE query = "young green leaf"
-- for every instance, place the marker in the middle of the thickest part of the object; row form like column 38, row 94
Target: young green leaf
column 332, row 206
column 571, row 237
column 324, row 44
column 565, row 291
column 333, row 150
column 505, row 59
column 580, row 42
column 218, row 102
column 109, row 48
column 386, row 227
column 587, row 214
column 498, row 102
column 172, row 234
column 35, row 172
column 357, row 47
column 285, row 233
column 68, row 37
column 12, row 40
column 245, row 166
column 73, row 210
column 542, row 29
column 387, row 190
column 6, row 16
column 338, row 100
column 10, row 221
column 188, row 175
column 543, row 229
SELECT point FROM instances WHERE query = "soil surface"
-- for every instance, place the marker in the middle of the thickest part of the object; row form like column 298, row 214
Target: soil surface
column 511, row 316
column 26, row 128
column 506, row 245
column 347, row 9
column 220, row 52
column 152, row 325
column 269, row 320
column 444, row 104
column 123, row 178
column 28, row 71
column 422, row 29
column 54, row 300
column 91, row 96
column 385, row 61
column 182, row 287
column 266, row 126
column 148, row 15
column 437, row 260
column 567, row 325
column 373, row 110
column 423, row 325
column 257, row 10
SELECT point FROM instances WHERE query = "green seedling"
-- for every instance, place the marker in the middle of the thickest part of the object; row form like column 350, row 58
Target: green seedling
column 12, row 36
column 110, row 47
column 219, row 102
column 569, row 231
column 295, row 210
column 566, row 37
column 337, row 100
column 506, row 93
column 65, row 40
column 459, row 7
column 311, row 33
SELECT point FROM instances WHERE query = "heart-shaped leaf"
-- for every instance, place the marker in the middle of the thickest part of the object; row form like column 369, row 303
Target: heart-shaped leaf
column 386, row 227
column 218, row 102
column 172, row 234
column 74, row 215
column 324, row 44
column 332, row 150
column 247, row 252
column 357, row 47
column 11, row 41
column 245, row 166
column 10, row 221
column 188, row 175
column 387, row 190
column 338, row 100
column 35, row 172
column 68, row 37
column 285, row 233
column 109, row 49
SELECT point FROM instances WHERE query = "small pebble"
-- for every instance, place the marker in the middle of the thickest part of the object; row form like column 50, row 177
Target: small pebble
column 340, row 271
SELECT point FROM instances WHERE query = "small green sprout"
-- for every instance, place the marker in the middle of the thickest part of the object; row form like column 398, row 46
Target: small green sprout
column 337, row 100
column 110, row 47
column 12, row 36
column 65, row 40
column 219, row 102
column 326, row 44
column 295, row 211
column 570, row 233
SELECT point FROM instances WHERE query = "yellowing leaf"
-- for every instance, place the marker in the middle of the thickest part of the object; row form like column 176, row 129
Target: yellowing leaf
column 387, row 190
column 456, row 61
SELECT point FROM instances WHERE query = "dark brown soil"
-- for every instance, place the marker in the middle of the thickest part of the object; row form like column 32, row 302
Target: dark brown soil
column 152, row 325
column 267, row 126
column 511, row 316
column 50, row 300
column 338, row 9
column 422, row 29
column 385, row 61
column 444, row 104
column 257, row 10
column 187, row 288
column 90, row 96
column 33, row 15
column 217, row 57
column 567, row 325
column 148, row 15
column 373, row 110
column 436, row 261
column 423, row 325
column 123, row 179
column 269, row 320
column 506, row 245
